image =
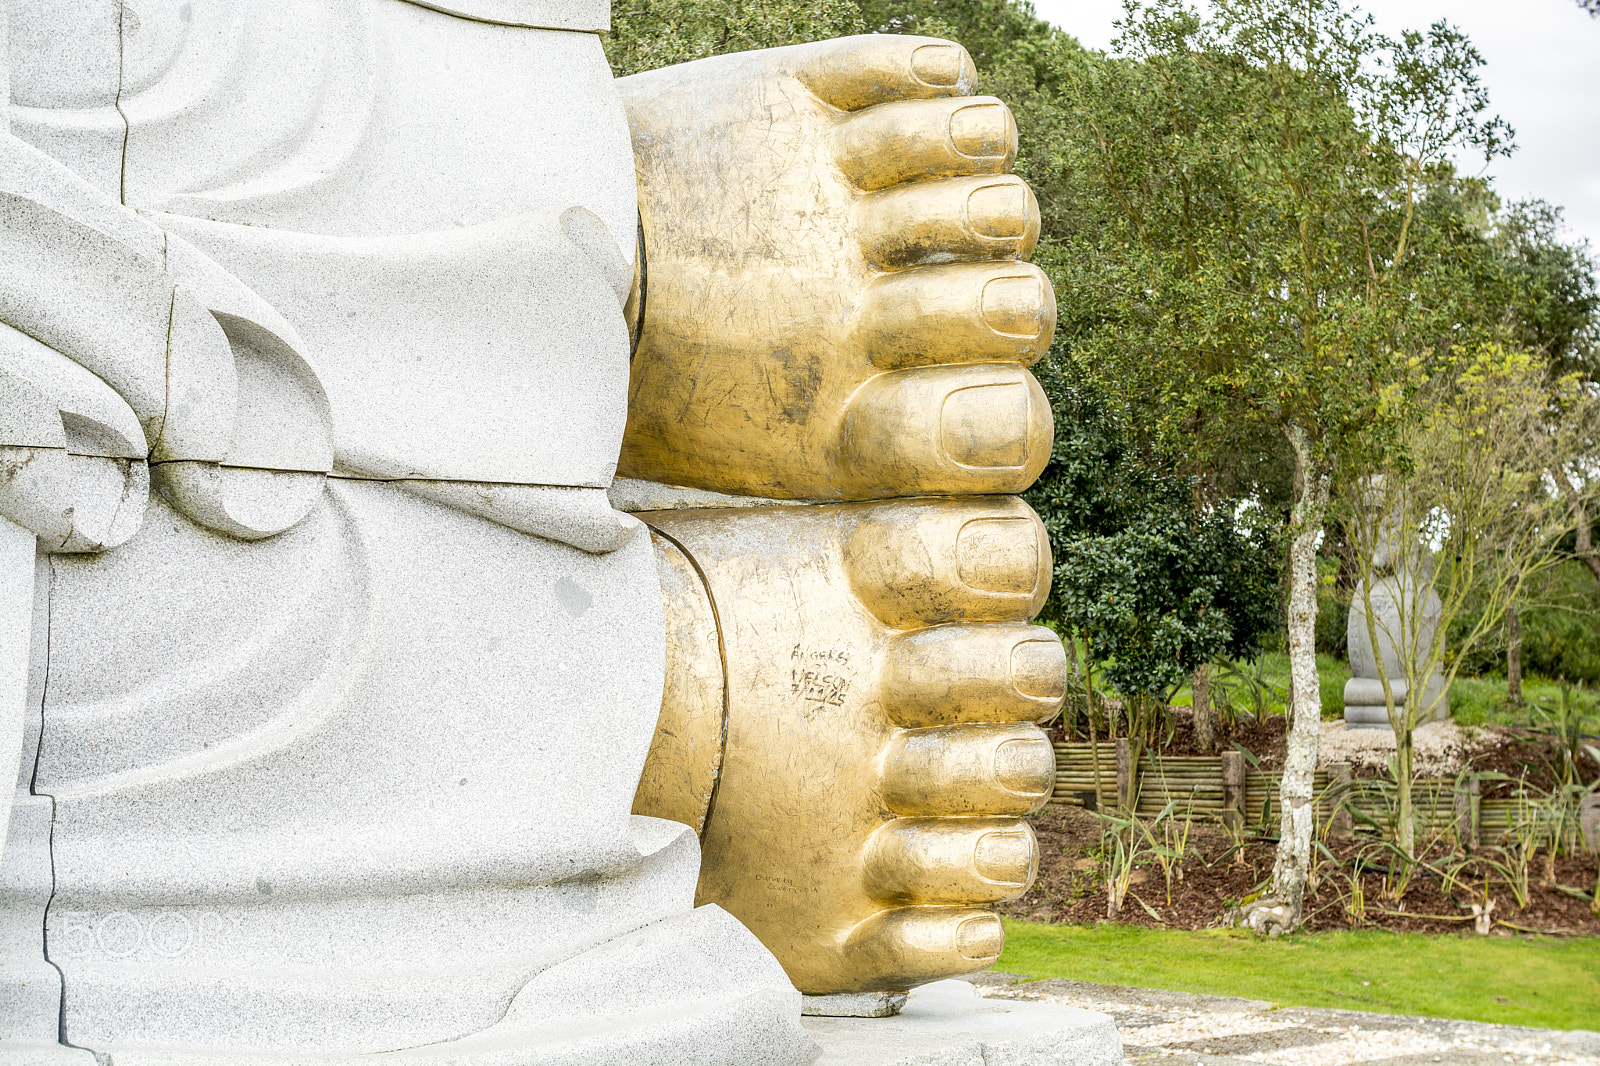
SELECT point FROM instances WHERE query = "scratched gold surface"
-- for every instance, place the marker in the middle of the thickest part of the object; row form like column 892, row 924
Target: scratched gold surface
column 870, row 798
column 835, row 306
column 838, row 305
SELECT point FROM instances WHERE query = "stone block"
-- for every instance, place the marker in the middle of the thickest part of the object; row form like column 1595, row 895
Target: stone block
column 591, row 15
column 426, row 376
column 854, row 1005
column 948, row 1024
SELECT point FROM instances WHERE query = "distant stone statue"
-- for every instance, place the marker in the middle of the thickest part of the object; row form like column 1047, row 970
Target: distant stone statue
column 1405, row 609
column 354, row 714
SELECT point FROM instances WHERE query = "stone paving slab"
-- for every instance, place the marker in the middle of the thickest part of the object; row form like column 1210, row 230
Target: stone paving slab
column 1184, row 1029
column 945, row 1024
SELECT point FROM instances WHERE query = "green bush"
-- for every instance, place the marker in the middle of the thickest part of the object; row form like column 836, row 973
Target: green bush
column 1333, row 610
column 1560, row 630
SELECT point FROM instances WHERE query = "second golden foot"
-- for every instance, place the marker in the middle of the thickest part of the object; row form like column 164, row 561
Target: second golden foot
column 850, row 722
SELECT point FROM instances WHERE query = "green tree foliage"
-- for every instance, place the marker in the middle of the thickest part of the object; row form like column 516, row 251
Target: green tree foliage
column 646, row 34
column 1152, row 580
column 1243, row 222
column 1555, row 306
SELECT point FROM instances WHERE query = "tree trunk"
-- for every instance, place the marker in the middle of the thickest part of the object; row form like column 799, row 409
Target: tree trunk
column 1406, row 829
column 1585, row 550
column 1513, row 656
column 1069, row 720
column 1205, row 715
column 1088, row 703
column 1297, row 813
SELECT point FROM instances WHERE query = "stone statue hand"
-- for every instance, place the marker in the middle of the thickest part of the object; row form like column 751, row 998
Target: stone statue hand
column 125, row 357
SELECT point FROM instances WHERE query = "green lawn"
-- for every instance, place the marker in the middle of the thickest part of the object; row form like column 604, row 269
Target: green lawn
column 1552, row 984
column 1482, row 700
column 1473, row 700
column 1331, row 675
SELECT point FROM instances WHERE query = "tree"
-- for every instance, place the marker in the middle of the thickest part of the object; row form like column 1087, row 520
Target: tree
column 646, row 34
column 1246, row 245
column 1463, row 511
column 1555, row 311
column 1554, row 305
column 1151, row 578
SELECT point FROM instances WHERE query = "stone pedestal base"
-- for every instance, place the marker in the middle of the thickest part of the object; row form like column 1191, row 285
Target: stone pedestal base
column 17, row 1053
column 948, row 1024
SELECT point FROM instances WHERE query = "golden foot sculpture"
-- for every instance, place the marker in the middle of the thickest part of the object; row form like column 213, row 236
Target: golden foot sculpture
column 834, row 306
column 868, row 676
column 836, row 303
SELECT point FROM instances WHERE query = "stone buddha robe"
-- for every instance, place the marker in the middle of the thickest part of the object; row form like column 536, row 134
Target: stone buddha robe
column 333, row 757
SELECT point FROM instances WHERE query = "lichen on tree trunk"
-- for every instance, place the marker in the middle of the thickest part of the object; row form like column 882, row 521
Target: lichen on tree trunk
column 1297, row 812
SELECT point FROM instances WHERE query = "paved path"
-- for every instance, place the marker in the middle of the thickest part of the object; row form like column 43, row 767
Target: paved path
column 1182, row 1029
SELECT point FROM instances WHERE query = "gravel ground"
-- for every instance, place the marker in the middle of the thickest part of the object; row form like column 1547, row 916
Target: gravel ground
column 1441, row 747
column 1182, row 1029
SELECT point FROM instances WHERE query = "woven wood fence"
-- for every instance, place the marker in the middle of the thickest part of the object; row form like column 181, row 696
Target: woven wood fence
column 1225, row 789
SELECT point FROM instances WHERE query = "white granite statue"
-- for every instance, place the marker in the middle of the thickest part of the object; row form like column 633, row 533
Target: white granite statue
column 328, row 668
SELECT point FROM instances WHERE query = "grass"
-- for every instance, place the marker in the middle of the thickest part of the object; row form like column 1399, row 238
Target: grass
column 1482, row 700
column 1331, row 675
column 1550, row 984
column 1473, row 700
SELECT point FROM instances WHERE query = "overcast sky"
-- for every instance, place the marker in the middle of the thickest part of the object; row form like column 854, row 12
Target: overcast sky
column 1542, row 71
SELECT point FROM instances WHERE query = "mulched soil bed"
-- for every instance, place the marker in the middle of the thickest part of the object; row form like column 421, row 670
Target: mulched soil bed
column 1070, row 889
column 1526, row 758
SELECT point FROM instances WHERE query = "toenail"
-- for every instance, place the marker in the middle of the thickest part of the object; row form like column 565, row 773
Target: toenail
column 1026, row 767
column 1003, row 857
column 937, row 64
column 998, row 211
column 979, row 130
column 986, row 425
column 998, row 555
column 1014, row 306
column 980, row 937
column 1039, row 669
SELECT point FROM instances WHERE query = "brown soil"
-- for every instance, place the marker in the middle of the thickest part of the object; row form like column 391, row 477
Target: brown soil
column 1219, row 872
column 1527, row 759
column 1217, row 876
